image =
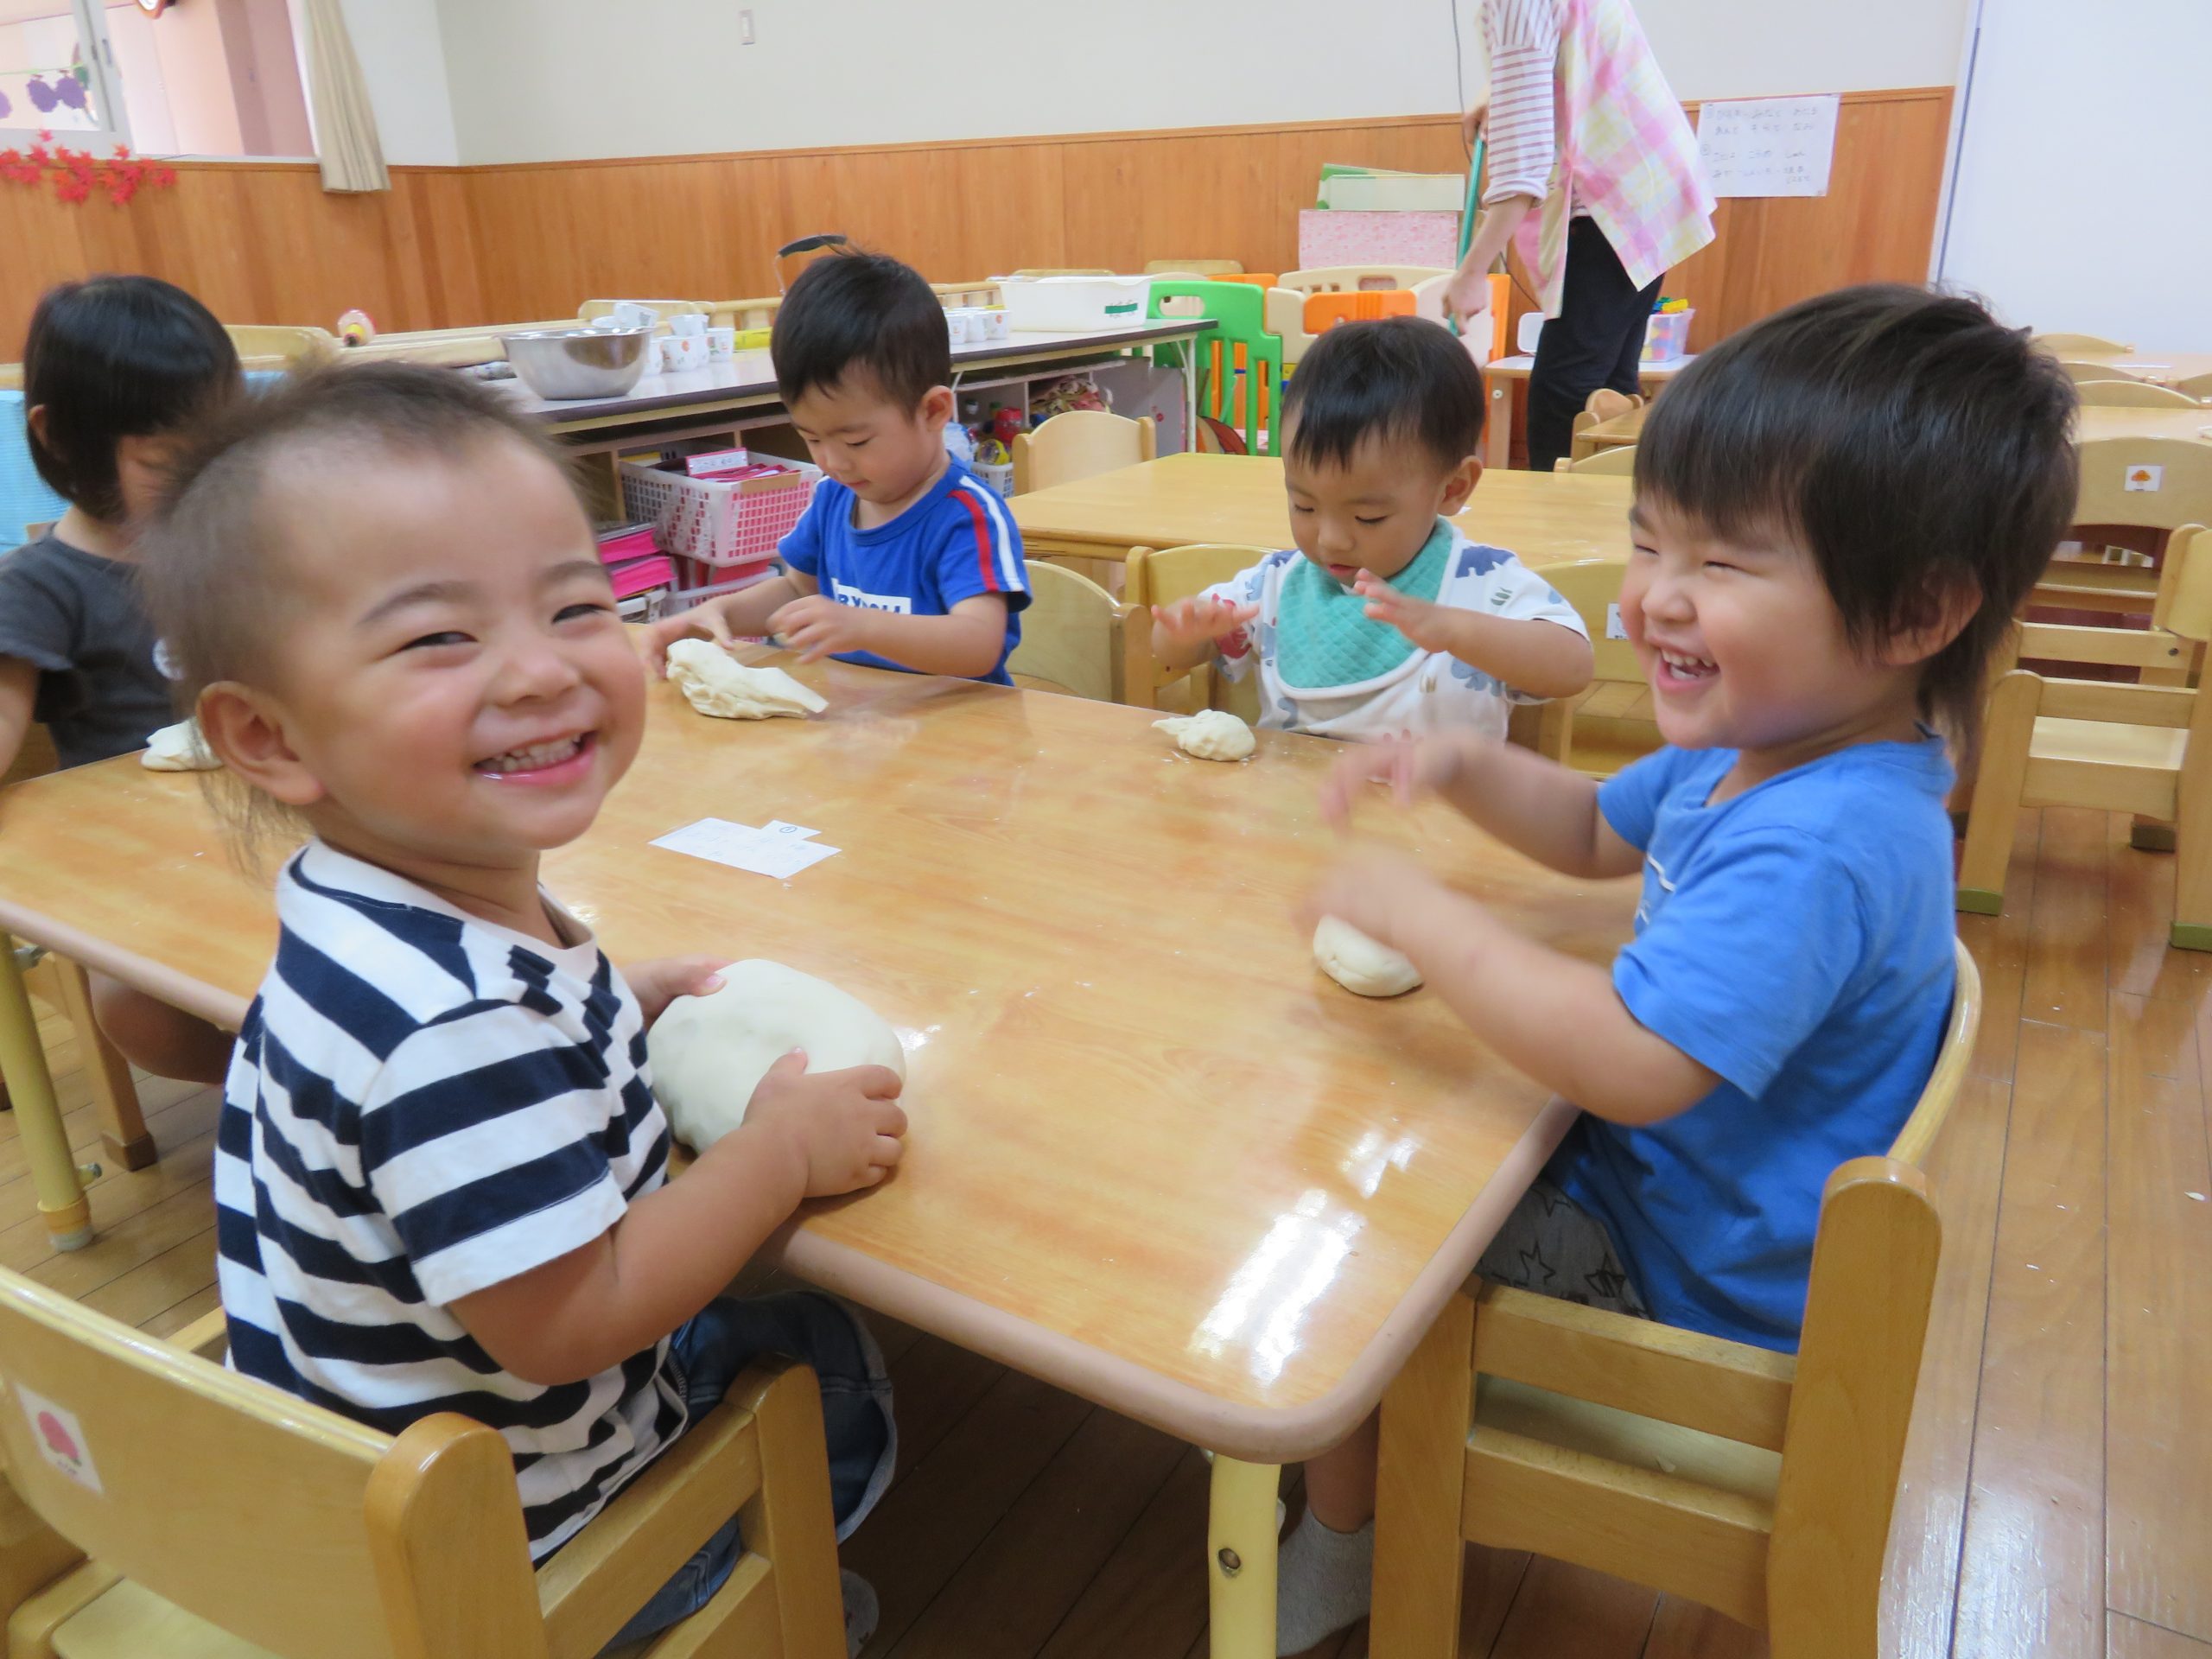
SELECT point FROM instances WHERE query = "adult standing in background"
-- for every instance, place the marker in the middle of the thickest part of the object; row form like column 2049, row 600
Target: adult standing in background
column 1593, row 166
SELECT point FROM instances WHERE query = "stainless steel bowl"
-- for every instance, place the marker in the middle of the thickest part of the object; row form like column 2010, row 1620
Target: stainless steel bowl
column 581, row 362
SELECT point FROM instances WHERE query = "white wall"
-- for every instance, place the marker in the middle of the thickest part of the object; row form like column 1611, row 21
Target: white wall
column 558, row 79
column 2084, row 211
column 403, row 62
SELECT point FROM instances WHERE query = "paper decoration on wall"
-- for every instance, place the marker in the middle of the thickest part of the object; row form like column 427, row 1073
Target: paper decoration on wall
column 1767, row 146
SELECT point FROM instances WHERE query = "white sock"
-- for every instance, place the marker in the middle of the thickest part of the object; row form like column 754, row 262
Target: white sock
column 1323, row 1581
column 861, row 1612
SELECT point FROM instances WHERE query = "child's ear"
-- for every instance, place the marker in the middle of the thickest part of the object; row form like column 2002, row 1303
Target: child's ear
column 1460, row 484
column 936, row 407
column 246, row 732
column 1950, row 608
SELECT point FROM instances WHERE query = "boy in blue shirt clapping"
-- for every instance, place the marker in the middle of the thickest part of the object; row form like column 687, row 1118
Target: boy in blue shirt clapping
column 905, row 558
column 1838, row 512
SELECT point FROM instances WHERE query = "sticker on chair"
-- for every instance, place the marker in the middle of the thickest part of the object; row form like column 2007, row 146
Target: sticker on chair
column 1615, row 628
column 2144, row 478
column 60, row 1438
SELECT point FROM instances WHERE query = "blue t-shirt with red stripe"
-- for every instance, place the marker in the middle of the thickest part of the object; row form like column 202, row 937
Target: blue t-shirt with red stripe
column 956, row 541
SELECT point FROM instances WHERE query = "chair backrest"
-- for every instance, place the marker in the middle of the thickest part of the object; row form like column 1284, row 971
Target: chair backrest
column 1079, row 444
column 1605, row 403
column 1196, row 267
column 2199, row 386
column 1065, row 270
column 2148, row 483
column 1240, row 339
column 1256, row 278
column 1342, row 279
column 1072, row 635
column 2084, row 374
column 1933, row 1106
column 291, row 1527
column 1324, row 311
column 1593, row 587
column 981, row 292
column 2134, row 394
column 745, row 314
column 25, row 497
column 2060, row 345
column 1619, row 461
column 264, row 340
column 1161, row 576
column 591, row 310
column 1283, row 314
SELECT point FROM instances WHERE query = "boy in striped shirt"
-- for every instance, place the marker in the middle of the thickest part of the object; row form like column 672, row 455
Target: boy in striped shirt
column 440, row 1174
column 905, row 558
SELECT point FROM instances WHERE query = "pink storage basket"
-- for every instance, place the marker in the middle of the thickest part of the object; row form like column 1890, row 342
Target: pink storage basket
column 712, row 521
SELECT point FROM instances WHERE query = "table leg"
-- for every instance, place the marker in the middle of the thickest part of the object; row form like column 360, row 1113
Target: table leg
column 115, row 1094
column 55, row 1174
column 1241, row 1559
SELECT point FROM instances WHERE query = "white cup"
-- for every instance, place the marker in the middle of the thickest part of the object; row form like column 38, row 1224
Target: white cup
column 994, row 321
column 721, row 343
column 681, row 354
column 690, row 324
column 956, row 323
column 628, row 314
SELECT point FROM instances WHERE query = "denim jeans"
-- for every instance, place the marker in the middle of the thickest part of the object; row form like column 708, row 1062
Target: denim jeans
column 710, row 1353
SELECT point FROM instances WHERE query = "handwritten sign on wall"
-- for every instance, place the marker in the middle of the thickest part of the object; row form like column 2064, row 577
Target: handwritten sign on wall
column 1768, row 146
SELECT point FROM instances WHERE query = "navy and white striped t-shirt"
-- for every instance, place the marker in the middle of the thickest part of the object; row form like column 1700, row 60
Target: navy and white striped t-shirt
column 423, row 1104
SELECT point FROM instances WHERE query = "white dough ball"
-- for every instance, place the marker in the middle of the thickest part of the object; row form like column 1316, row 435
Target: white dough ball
column 1212, row 734
column 1360, row 964
column 708, row 1054
column 179, row 749
column 717, row 683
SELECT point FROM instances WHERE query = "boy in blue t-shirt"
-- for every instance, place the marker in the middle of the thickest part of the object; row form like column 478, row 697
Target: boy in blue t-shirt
column 1838, row 511
column 905, row 559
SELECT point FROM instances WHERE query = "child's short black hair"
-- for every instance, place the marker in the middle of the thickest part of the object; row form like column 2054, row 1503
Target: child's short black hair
column 112, row 358
column 1399, row 380
column 852, row 310
column 1911, row 444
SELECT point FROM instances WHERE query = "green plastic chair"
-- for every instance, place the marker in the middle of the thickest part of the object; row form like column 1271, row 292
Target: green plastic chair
column 1247, row 396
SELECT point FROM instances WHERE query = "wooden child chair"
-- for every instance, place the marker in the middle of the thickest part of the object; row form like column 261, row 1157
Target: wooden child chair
column 1078, row 444
column 1755, row 1482
column 1074, row 636
column 1602, row 729
column 1619, row 461
column 2132, row 394
column 2082, row 374
column 1194, row 267
column 1161, row 576
column 2146, row 749
column 2062, row 345
column 226, row 1520
column 2150, row 486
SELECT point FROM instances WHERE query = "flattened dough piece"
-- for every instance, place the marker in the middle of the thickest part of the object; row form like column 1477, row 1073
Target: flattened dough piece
column 708, row 1054
column 717, row 683
column 1213, row 734
column 179, row 749
column 1360, row 964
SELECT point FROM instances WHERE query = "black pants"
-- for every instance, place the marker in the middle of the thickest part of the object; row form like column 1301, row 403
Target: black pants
column 1596, row 340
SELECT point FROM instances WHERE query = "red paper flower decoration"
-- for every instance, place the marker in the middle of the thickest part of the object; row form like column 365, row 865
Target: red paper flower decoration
column 75, row 173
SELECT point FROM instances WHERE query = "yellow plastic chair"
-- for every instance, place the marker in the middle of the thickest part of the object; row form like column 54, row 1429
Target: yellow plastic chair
column 2134, row 394
column 1619, row 461
column 1161, row 576
column 1757, row 1483
column 744, row 315
column 2151, row 485
column 2145, row 748
column 1601, row 729
column 224, row 1519
column 2199, row 386
column 2060, row 345
column 1079, row 444
column 1074, row 637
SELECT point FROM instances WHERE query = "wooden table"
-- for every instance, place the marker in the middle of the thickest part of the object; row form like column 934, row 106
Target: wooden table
column 1546, row 518
column 2094, row 420
column 1156, row 1157
column 1501, row 375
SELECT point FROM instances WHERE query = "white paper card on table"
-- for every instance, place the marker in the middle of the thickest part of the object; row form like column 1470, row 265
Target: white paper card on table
column 743, row 847
column 797, row 832
column 1767, row 146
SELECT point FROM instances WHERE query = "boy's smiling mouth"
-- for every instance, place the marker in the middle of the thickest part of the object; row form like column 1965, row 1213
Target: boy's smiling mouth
column 534, row 759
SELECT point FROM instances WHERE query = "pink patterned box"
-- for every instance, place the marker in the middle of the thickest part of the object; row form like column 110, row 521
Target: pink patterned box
column 1335, row 237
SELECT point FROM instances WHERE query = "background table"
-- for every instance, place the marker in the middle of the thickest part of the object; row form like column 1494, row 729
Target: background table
column 1501, row 376
column 1544, row 518
column 1156, row 1158
column 2093, row 421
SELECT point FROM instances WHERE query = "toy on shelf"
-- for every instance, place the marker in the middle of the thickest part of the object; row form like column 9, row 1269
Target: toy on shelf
column 356, row 328
column 1069, row 391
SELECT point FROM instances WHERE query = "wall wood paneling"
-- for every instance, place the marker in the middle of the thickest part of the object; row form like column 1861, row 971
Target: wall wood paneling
column 261, row 242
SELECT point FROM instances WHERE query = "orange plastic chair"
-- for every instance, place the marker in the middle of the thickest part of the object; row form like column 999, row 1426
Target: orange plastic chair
column 1324, row 311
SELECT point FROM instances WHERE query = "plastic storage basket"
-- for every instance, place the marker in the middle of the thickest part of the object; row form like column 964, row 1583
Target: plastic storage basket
column 1667, row 336
column 717, row 522
column 1074, row 305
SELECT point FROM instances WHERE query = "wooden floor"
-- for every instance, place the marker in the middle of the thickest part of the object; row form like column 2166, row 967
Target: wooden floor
column 2055, row 1499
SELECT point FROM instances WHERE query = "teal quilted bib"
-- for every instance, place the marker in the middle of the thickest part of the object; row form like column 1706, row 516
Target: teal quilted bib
column 1327, row 639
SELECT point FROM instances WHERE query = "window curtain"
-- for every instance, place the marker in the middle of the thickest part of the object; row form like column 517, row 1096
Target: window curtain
column 345, row 126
